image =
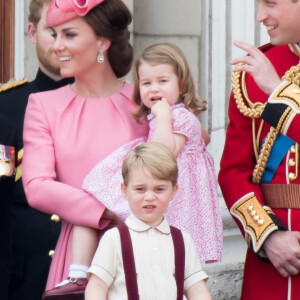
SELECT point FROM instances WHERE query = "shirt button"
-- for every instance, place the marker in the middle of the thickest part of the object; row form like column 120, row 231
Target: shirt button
column 292, row 162
column 292, row 176
column 293, row 149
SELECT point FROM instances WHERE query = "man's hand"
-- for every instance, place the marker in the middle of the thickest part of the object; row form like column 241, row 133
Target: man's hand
column 283, row 250
column 258, row 66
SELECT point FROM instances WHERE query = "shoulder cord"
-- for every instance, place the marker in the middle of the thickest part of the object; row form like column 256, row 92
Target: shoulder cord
column 11, row 85
column 254, row 111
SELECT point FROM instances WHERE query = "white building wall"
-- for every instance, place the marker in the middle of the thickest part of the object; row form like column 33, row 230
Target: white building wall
column 205, row 30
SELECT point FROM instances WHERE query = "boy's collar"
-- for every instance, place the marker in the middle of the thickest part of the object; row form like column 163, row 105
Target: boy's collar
column 136, row 224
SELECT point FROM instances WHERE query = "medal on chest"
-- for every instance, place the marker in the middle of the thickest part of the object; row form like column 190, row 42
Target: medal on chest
column 6, row 160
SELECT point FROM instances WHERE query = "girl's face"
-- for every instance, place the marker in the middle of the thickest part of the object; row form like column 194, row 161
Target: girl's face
column 156, row 82
column 76, row 47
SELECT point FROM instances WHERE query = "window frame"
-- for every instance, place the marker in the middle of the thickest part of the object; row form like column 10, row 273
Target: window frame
column 7, row 30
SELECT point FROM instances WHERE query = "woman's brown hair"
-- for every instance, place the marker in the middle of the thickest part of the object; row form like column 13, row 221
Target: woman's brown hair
column 110, row 19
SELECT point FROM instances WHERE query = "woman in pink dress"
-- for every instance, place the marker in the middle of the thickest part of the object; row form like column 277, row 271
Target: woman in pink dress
column 67, row 131
column 164, row 87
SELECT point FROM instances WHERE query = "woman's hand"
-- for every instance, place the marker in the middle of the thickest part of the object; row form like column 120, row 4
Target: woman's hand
column 258, row 66
column 109, row 215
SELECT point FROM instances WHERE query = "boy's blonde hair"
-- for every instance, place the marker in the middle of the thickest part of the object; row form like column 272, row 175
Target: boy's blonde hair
column 155, row 157
column 165, row 53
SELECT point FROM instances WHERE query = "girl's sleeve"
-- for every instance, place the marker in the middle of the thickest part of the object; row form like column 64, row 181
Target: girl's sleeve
column 39, row 176
column 184, row 122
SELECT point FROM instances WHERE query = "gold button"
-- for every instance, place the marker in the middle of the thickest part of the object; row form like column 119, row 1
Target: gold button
column 260, row 222
column 55, row 218
column 292, row 176
column 292, row 162
column 293, row 149
column 296, row 91
column 51, row 253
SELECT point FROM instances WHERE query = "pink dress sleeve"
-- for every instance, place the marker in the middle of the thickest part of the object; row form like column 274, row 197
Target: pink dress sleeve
column 39, row 174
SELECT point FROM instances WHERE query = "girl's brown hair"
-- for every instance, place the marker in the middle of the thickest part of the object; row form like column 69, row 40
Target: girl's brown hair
column 165, row 53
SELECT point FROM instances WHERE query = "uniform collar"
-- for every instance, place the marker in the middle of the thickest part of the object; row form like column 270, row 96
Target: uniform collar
column 136, row 224
column 45, row 83
column 295, row 48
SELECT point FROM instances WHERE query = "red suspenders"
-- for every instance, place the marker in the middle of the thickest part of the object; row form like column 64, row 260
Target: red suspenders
column 128, row 261
column 129, row 265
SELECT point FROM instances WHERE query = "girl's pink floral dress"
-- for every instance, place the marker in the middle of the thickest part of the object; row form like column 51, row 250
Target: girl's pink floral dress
column 195, row 208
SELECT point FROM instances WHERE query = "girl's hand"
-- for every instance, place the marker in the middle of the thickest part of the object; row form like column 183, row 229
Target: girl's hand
column 161, row 108
column 258, row 66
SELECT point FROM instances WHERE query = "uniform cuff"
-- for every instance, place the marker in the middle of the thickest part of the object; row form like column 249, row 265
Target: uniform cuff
column 256, row 220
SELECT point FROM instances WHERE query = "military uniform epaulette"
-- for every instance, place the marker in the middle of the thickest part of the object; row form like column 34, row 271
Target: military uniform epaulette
column 7, row 165
column 12, row 84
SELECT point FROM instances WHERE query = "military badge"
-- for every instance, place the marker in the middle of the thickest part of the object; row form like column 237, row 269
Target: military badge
column 7, row 160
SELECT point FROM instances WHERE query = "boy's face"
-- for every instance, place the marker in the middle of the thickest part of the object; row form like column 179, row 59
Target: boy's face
column 148, row 197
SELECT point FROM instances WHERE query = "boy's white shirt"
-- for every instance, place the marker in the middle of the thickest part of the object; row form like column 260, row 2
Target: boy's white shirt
column 154, row 259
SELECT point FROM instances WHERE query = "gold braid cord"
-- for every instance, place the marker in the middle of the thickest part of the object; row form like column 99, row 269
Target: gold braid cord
column 254, row 111
column 11, row 85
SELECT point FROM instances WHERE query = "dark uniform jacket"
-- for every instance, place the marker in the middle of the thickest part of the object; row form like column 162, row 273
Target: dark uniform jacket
column 7, row 138
column 34, row 233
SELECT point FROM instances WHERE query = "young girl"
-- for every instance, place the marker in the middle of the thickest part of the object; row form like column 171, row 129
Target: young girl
column 165, row 93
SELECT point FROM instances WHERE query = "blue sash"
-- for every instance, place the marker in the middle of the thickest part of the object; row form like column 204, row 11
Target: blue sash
column 280, row 148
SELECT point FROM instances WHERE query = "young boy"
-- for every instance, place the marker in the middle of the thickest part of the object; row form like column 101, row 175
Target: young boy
column 165, row 264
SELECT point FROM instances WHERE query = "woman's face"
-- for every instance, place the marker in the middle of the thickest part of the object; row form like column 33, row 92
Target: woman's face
column 76, row 47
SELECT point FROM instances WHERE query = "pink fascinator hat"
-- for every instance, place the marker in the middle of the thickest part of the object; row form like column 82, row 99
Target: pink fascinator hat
column 61, row 11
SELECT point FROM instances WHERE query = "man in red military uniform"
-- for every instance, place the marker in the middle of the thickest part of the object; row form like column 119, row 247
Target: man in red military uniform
column 260, row 172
